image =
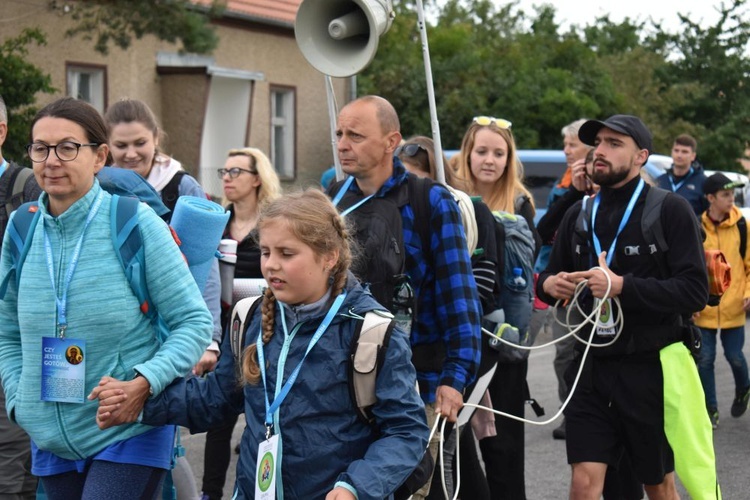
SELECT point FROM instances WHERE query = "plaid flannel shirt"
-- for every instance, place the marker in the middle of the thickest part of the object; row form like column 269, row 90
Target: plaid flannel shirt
column 448, row 307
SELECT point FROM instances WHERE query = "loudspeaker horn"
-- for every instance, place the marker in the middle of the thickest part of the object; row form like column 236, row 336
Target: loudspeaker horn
column 340, row 37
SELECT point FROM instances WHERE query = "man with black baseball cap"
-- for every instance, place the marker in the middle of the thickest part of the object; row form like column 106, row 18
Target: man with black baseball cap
column 633, row 375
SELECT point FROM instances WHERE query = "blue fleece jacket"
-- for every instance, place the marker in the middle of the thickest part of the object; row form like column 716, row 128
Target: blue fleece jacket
column 103, row 311
column 323, row 441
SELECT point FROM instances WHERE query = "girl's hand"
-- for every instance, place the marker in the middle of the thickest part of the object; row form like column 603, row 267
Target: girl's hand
column 123, row 401
column 340, row 494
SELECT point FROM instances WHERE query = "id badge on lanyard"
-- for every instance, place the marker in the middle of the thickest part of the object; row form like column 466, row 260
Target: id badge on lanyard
column 606, row 325
column 63, row 370
column 265, row 475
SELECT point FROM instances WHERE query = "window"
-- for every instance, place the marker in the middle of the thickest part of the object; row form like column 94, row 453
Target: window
column 282, row 131
column 87, row 83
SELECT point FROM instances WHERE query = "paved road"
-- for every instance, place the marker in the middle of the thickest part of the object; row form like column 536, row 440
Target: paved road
column 547, row 472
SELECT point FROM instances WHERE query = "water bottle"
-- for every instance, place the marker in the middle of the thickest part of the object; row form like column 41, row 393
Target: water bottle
column 228, row 250
column 403, row 305
column 518, row 282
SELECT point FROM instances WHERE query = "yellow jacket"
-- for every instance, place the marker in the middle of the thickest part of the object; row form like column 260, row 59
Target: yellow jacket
column 726, row 237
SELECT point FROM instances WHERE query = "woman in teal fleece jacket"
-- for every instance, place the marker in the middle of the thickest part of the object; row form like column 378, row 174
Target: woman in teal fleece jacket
column 73, row 292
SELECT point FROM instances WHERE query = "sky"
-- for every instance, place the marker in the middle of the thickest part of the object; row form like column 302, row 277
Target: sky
column 581, row 12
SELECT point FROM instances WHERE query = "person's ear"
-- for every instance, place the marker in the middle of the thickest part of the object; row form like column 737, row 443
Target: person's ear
column 102, row 152
column 3, row 132
column 393, row 140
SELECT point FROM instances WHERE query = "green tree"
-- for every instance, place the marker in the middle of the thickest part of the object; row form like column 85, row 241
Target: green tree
column 117, row 21
column 20, row 81
column 708, row 69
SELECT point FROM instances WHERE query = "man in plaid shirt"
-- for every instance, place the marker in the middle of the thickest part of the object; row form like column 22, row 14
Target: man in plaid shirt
column 448, row 309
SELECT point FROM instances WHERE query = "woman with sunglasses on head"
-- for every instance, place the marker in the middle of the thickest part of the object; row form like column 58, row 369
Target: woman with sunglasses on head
column 488, row 163
column 249, row 183
column 72, row 297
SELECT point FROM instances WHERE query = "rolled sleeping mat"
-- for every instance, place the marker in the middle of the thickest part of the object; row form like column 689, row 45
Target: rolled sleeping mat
column 199, row 224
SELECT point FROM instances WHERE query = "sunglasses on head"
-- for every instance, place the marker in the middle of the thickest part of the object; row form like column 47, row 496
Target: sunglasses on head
column 409, row 149
column 486, row 120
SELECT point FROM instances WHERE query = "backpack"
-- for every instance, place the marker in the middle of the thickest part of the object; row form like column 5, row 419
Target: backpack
column 370, row 341
column 379, row 232
column 16, row 185
column 170, row 193
column 514, row 278
column 126, row 238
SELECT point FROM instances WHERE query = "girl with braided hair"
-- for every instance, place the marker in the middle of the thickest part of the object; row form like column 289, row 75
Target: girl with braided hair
column 293, row 382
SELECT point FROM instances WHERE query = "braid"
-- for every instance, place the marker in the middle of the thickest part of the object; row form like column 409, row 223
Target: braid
column 250, row 367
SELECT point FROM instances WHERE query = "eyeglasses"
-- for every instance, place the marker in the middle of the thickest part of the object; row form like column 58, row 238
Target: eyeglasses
column 409, row 149
column 486, row 120
column 234, row 172
column 65, row 151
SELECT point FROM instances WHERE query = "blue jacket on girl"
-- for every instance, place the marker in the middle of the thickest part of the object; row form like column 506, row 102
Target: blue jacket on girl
column 322, row 442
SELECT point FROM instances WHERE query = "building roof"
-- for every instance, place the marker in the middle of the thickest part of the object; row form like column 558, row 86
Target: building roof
column 275, row 11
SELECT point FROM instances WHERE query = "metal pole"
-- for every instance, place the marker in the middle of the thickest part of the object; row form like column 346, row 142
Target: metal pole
column 439, row 167
column 333, row 116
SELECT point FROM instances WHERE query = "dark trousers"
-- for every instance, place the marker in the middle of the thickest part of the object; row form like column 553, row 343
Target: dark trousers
column 216, row 457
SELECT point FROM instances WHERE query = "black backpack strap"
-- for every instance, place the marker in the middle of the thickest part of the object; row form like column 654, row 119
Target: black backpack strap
column 171, row 191
column 16, row 185
column 419, row 199
column 653, row 230
column 742, row 227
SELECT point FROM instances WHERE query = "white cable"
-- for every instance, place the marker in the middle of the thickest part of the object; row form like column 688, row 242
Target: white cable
column 588, row 319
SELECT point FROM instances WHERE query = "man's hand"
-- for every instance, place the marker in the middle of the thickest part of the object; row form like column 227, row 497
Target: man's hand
column 119, row 402
column 448, row 401
column 206, row 364
column 340, row 494
column 561, row 285
column 597, row 281
column 578, row 176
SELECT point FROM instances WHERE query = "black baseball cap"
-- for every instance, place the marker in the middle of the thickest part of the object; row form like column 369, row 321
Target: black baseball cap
column 719, row 182
column 624, row 124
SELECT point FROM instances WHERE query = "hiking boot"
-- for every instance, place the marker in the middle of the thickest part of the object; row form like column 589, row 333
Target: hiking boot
column 739, row 405
column 713, row 415
column 559, row 433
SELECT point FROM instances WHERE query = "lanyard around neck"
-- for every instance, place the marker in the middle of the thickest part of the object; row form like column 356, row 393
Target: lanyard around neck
column 272, row 408
column 342, row 192
column 62, row 301
column 677, row 186
column 623, row 222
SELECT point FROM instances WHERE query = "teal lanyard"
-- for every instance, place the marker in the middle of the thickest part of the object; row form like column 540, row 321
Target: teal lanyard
column 62, row 301
column 679, row 184
column 623, row 222
column 3, row 166
column 342, row 192
column 272, row 408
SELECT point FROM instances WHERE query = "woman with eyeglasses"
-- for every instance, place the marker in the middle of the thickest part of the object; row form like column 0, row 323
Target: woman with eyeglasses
column 249, row 182
column 134, row 138
column 73, row 296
